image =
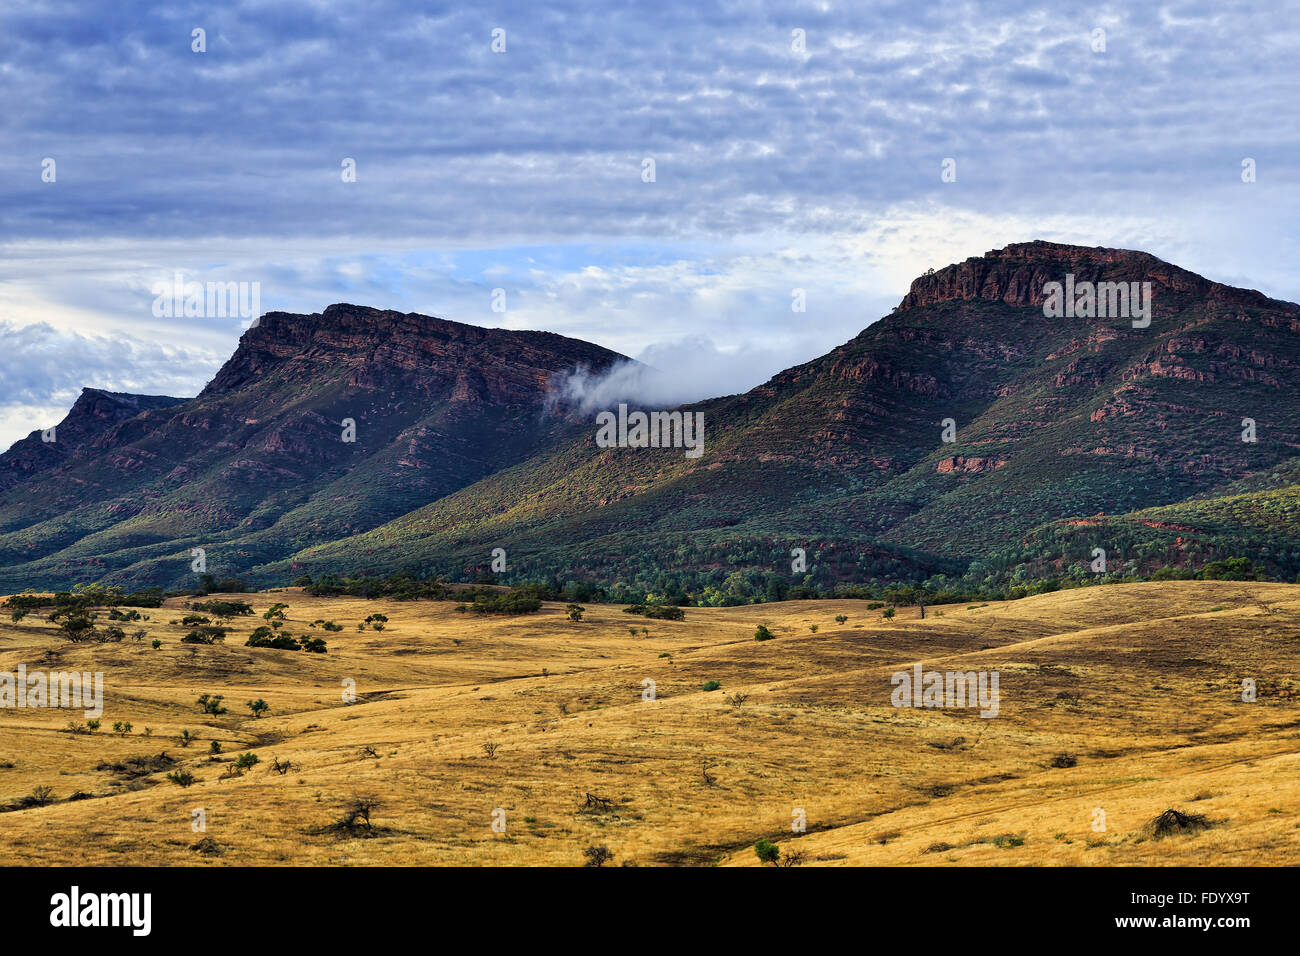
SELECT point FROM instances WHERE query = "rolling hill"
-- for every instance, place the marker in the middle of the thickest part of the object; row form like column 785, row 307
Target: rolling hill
column 1126, row 699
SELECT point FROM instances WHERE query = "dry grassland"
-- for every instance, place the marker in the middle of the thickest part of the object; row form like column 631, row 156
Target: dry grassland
column 1138, row 686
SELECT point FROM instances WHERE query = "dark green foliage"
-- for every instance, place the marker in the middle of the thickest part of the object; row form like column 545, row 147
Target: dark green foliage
column 223, row 608
column 205, row 635
column 264, row 636
column 210, row 585
column 246, row 761
column 497, row 603
column 182, row 778
column 767, row 852
column 658, row 611
column 211, row 704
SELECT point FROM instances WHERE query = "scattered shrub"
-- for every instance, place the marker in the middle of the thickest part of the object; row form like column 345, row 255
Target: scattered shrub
column 661, row 612
column 597, row 855
column 1174, row 822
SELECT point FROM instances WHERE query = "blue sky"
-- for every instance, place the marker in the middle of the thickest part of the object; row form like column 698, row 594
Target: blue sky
column 776, row 167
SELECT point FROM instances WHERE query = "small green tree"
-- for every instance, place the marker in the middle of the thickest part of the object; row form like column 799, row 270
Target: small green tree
column 761, row 633
column 245, row 761
column 575, row 614
column 258, row 707
column 77, row 626
column 182, row 778
column 767, row 852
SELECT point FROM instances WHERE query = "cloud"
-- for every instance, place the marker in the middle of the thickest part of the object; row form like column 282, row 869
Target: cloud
column 775, row 169
column 55, row 365
column 544, row 142
column 671, row 374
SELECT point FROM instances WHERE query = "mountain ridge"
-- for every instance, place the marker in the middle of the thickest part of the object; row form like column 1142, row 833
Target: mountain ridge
column 1053, row 419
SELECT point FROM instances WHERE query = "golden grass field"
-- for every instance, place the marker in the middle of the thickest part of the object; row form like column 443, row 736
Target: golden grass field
column 1140, row 683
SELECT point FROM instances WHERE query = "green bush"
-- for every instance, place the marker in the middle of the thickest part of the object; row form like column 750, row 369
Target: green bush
column 767, row 852
column 661, row 612
column 223, row 608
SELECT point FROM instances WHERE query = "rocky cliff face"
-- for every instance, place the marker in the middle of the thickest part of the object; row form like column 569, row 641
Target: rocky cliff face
column 423, row 355
column 1017, row 274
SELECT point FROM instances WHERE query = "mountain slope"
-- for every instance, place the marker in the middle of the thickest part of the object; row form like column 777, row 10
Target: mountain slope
column 1055, row 418
column 93, row 414
column 966, row 432
column 259, row 465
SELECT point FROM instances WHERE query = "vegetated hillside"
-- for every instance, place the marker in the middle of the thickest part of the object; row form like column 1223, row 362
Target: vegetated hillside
column 461, row 449
column 1128, row 698
column 1056, row 418
column 257, row 466
column 1257, row 517
column 93, row 414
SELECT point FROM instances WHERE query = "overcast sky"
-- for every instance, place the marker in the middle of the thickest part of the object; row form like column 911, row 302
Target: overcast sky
column 795, row 145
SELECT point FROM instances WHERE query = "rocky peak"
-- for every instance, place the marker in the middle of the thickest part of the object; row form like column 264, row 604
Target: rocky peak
column 363, row 345
column 92, row 416
column 1017, row 274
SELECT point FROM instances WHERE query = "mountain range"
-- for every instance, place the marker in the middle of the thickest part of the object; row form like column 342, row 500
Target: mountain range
column 965, row 435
